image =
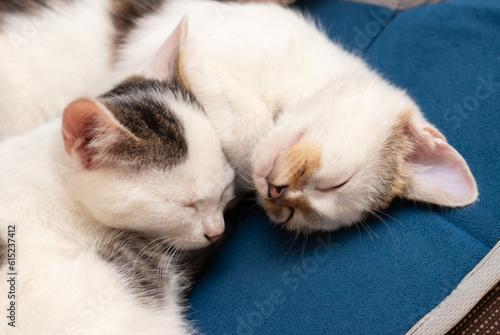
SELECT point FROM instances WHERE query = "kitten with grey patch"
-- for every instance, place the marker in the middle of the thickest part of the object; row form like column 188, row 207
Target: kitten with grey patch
column 107, row 209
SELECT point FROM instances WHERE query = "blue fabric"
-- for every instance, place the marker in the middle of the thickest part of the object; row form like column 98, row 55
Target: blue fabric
column 382, row 278
column 354, row 25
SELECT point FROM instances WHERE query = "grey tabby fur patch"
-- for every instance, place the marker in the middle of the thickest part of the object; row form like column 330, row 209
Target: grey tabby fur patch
column 146, row 265
column 3, row 252
column 27, row 6
column 158, row 135
column 126, row 13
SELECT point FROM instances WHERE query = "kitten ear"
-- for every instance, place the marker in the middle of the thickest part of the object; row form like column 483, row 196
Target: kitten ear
column 167, row 62
column 89, row 130
column 438, row 174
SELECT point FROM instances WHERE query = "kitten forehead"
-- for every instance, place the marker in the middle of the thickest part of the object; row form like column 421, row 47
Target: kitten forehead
column 359, row 118
column 156, row 135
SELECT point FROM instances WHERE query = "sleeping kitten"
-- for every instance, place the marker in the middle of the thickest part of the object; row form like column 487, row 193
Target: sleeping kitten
column 97, row 217
column 323, row 139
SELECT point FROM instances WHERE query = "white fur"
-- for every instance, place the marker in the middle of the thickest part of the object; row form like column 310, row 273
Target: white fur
column 50, row 59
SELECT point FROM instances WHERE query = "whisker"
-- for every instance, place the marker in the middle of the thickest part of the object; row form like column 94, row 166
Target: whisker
column 390, row 217
column 370, row 232
column 292, row 240
column 394, row 236
column 304, row 245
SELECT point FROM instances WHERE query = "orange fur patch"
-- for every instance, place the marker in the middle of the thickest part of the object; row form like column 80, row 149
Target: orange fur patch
column 393, row 165
column 293, row 169
column 296, row 165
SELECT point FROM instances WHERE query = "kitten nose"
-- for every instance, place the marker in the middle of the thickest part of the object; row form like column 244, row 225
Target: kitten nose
column 275, row 192
column 213, row 238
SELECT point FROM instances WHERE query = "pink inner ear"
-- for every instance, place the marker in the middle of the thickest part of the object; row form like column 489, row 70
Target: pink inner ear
column 80, row 121
column 164, row 65
column 438, row 173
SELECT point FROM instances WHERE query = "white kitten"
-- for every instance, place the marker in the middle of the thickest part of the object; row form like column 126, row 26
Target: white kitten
column 100, row 210
column 324, row 139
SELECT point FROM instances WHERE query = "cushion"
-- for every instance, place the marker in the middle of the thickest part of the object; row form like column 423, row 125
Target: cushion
column 382, row 276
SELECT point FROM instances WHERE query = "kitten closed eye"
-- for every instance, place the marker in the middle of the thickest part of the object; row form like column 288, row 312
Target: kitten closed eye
column 332, row 188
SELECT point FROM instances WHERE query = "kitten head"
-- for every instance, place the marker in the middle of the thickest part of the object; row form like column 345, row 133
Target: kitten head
column 146, row 158
column 333, row 162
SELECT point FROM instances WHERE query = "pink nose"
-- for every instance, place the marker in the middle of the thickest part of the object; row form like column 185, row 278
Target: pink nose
column 275, row 192
column 213, row 238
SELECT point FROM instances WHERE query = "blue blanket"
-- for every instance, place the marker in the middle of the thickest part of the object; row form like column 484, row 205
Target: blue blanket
column 380, row 278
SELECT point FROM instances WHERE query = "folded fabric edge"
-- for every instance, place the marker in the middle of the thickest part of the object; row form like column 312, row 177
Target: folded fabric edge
column 464, row 297
column 400, row 4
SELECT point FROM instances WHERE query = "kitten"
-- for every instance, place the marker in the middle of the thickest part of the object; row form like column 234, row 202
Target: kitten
column 98, row 216
column 323, row 139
